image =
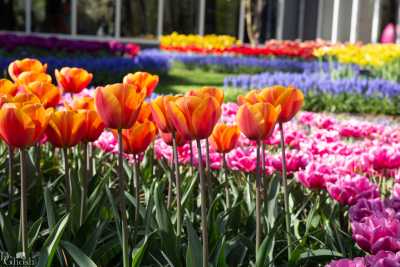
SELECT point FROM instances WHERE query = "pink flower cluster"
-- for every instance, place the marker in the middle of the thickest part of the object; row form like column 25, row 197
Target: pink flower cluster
column 382, row 259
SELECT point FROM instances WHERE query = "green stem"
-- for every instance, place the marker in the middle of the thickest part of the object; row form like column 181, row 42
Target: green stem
column 285, row 191
column 203, row 193
column 178, row 185
column 67, row 178
column 191, row 158
column 226, row 186
column 263, row 182
column 10, row 178
column 136, row 183
column 122, row 204
column 171, row 175
column 37, row 163
column 258, row 199
column 85, row 177
column 24, row 209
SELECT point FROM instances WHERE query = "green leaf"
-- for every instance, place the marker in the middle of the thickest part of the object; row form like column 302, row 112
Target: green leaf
column 320, row 253
column 51, row 244
column 194, row 250
column 8, row 234
column 138, row 252
column 220, row 257
column 48, row 201
column 34, row 232
column 262, row 258
column 115, row 212
column 79, row 257
column 166, row 231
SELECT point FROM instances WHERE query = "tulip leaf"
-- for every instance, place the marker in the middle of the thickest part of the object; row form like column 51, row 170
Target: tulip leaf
column 194, row 249
column 138, row 252
column 51, row 244
column 8, row 234
column 48, row 201
column 320, row 253
column 34, row 232
column 166, row 231
column 115, row 213
column 79, row 257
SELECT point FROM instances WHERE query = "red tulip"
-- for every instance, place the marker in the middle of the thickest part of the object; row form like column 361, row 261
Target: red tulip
column 159, row 113
column 73, row 80
column 7, row 88
column 25, row 65
column 48, row 93
column 208, row 91
column 224, row 137
column 66, row 128
column 289, row 98
column 194, row 117
column 138, row 138
column 93, row 125
column 257, row 121
column 143, row 80
column 119, row 105
column 23, row 125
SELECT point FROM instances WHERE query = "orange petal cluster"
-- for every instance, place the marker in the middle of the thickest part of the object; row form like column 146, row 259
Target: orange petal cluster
column 73, row 80
column 138, row 138
column 143, row 80
column 257, row 121
column 289, row 98
column 66, row 128
column 224, row 137
column 22, row 125
column 194, row 117
column 119, row 105
column 25, row 65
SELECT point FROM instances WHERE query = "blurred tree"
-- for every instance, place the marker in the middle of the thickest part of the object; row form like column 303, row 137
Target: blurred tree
column 254, row 10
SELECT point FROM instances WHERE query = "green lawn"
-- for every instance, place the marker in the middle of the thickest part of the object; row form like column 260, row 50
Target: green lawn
column 180, row 80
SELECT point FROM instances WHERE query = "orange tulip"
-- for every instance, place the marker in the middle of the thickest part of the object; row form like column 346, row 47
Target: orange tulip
column 8, row 88
column 22, row 125
column 93, row 125
column 143, row 80
column 28, row 64
column 167, row 138
column 138, row 138
column 208, row 91
column 224, row 137
column 119, row 105
column 250, row 97
column 194, row 117
column 66, row 128
column 145, row 113
column 28, row 77
column 24, row 98
column 73, row 80
column 289, row 98
column 158, row 111
column 48, row 93
column 85, row 102
column 257, row 121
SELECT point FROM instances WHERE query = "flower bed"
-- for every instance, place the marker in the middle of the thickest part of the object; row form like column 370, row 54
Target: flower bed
column 214, row 44
column 325, row 93
column 243, row 64
column 17, row 44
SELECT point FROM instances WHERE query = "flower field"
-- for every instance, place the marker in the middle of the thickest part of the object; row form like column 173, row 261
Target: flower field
column 205, row 152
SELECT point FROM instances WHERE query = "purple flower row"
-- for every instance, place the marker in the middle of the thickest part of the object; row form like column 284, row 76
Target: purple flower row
column 316, row 82
column 10, row 42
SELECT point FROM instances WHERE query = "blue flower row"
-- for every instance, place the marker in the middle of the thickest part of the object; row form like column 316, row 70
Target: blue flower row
column 109, row 65
column 230, row 63
column 317, row 82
